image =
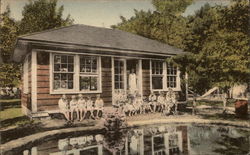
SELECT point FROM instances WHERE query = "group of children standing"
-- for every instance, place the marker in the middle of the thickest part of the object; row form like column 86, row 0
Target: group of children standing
column 82, row 107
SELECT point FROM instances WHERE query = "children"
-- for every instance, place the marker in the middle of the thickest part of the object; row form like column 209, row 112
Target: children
column 161, row 102
column 139, row 104
column 81, row 107
column 73, row 107
column 168, row 104
column 99, row 105
column 64, row 107
column 89, row 106
column 152, row 101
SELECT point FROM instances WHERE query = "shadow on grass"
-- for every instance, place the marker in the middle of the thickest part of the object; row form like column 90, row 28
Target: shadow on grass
column 14, row 121
column 5, row 104
column 221, row 116
column 21, row 131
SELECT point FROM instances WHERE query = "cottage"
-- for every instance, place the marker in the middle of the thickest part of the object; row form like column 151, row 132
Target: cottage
column 91, row 60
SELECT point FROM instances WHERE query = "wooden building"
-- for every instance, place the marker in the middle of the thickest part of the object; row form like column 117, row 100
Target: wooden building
column 90, row 60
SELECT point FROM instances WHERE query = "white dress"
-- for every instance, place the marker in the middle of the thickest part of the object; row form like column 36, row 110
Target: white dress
column 81, row 104
column 73, row 104
column 99, row 104
column 89, row 105
column 132, row 83
column 63, row 105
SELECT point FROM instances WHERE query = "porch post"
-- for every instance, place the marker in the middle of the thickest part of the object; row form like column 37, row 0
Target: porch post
column 140, row 77
column 34, row 81
column 186, row 85
column 112, row 77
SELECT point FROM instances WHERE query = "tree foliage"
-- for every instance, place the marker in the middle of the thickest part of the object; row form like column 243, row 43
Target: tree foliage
column 165, row 24
column 42, row 15
column 38, row 15
column 8, row 35
column 216, row 39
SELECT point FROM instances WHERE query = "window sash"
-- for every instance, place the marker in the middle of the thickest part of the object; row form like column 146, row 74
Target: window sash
column 119, row 74
column 167, row 75
column 75, row 75
column 88, row 64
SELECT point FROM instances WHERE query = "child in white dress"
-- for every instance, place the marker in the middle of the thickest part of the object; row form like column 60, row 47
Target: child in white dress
column 99, row 105
column 81, row 107
column 64, row 106
column 73, row 107
column 90, row 107
column 161, row 102
column 152, row 101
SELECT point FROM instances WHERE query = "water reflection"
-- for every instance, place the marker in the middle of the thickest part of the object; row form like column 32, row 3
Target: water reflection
column 153, row 140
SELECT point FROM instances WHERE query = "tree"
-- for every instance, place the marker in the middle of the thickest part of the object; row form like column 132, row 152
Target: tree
column 8, row 35
column 42, row 15
column 165, row 24
column 218, row 43
column 9, row 72
column 37, row 16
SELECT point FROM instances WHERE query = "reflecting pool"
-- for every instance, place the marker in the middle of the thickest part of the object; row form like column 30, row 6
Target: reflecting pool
column 170, row 139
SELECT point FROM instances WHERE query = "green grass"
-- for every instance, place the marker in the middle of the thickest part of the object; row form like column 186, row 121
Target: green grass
column 9, row 100
column 10, row 113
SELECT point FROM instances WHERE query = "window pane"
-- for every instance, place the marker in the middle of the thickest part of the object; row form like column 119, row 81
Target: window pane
column 57, row 67
column 57, row 59
column 63, row 76
column 71, row 68
column 171, row 81
column 70, row 76
column 64, row 84
column 56, row 76
column 64, row 59
column 64, row 68
column 93, row 83
column 84, row 83
column 117, row 85
column 157, row 82
column 56, row 84
column 70, row 59
column 70, row 84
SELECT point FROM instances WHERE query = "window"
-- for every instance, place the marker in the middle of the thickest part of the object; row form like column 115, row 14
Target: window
column 75, row 73
column 119, row 74
column 171, row 76
column 88, row 73
column 157, row 74
column 164, row 76
column 63, row 72
column 25, row 76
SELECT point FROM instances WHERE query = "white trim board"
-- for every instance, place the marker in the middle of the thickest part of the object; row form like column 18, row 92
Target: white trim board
column 34, row 81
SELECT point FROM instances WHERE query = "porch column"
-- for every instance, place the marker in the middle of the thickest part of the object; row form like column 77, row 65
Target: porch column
column 113, row 79
column 186, row 85
column 34, row 81
column 140, row 77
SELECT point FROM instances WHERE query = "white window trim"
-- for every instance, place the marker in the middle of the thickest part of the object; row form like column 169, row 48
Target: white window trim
column 76, row 77
column 164, row 88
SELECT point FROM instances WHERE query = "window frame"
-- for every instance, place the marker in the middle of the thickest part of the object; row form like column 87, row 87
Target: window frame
column 155, row 75
column 165, row 76
column 76, row 75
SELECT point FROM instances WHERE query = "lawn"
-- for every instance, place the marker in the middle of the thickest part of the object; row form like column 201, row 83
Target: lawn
column 11, row 113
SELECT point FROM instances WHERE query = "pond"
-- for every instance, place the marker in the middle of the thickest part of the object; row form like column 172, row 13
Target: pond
column 168, row 139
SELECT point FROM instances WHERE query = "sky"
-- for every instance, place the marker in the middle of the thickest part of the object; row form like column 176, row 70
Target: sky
column 102, row 13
